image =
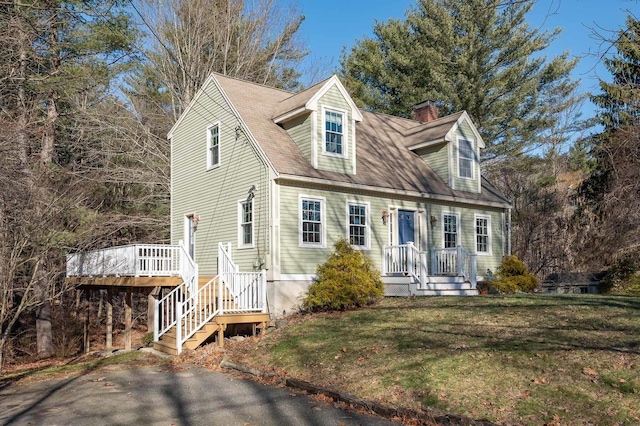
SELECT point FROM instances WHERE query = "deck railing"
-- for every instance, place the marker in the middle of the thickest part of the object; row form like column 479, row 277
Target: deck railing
column 401, row 259
column 406, row 259
column 456, row 261
column 133, row 260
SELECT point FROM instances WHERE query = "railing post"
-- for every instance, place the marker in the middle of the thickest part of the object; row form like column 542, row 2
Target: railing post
column 384, row 260
column 156, row 319
column 263, row 290
column 459, row 261
column 220, row 289
column 423, row 268
column 474, row 270
column 434, row 270
column 179, row 326
column 410, row 259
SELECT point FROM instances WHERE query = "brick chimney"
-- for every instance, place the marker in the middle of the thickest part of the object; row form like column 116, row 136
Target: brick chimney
column 425, row 112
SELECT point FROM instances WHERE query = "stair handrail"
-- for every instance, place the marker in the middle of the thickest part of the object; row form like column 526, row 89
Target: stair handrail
column 196, row 316
column 467, row 264
column 165, row 310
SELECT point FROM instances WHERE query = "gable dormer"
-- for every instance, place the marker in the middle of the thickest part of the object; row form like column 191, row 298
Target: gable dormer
column 449, row 145
column 322, row 122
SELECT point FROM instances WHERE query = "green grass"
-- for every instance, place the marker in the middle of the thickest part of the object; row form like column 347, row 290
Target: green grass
column 521, row 359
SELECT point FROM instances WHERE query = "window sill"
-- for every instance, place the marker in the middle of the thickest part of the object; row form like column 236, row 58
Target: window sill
column 334, row 155
column 312, row 246
column 217, row 166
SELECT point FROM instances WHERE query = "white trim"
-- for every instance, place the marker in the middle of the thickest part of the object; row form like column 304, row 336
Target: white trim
column 367, row 228
column 477, row 216
column 208, row 146
column 353, row 139
column 323, row 221
column 465, row 117
column 297, row 277
column 473, row 158
column 452, row 171
column 187, row 218
column 312, row 104
column 381, row 190
column 314, row 140
column 241, row 244
column 458, row 227
column 291, row 114
column 345, row 132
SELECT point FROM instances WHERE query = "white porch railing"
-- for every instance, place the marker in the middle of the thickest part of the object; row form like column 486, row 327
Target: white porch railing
column 402, row 259
column 131, row 260
column 406, row 259
column 456, row 261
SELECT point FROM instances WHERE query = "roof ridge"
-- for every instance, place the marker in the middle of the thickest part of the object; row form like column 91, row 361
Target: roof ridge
column 217, row 74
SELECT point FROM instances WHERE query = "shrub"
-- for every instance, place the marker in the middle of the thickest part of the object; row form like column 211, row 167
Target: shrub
column 623, row 278
column 346, row 280
column 512, row 276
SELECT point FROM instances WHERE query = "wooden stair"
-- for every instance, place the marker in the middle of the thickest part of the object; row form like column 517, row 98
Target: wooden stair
column 218, row 324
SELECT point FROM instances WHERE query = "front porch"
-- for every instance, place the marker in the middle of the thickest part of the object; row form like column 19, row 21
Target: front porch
column 407, row 271
column 194, row 309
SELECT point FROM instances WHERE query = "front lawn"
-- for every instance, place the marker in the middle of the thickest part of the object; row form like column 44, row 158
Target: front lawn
column 520, row 359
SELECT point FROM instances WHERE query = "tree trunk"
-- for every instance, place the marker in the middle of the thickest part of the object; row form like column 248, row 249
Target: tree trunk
column 44, row 340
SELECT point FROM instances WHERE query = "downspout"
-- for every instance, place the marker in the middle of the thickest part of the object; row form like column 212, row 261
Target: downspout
column 509, row 231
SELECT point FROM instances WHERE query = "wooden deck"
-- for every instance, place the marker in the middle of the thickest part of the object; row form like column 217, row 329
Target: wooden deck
column 134, row 282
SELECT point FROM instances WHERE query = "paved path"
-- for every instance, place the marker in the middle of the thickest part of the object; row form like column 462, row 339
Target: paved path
column 153, row 395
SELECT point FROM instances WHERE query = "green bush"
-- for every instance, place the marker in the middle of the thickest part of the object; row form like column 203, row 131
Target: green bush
column 623, row 278
column 513, row 276
column 346, row 280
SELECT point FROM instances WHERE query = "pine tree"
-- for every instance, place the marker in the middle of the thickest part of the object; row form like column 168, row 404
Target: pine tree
column 476, row 55
column 620, row 98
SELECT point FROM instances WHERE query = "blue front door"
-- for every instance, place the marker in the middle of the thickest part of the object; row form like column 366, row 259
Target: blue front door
column 406, row 226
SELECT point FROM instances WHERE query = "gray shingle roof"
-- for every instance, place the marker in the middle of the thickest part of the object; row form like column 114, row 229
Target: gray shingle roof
column 383, row 159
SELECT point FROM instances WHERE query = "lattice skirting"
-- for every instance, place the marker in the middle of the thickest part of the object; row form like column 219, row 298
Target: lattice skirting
column 397, row 290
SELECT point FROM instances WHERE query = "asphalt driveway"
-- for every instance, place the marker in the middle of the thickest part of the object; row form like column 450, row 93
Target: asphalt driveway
column 158, row 396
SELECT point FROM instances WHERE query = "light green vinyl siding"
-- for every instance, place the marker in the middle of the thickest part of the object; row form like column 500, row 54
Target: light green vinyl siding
column 334, row 99
column 213, row 194
column 304, row 260
column 299, row 129
column 437, row 157
column 464, row 131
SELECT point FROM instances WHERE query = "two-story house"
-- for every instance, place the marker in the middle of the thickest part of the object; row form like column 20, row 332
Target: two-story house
column 264, row 181
column 282, row 176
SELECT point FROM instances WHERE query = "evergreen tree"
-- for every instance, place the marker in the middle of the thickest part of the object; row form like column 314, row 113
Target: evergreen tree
column 476, row 55
column 620, row 99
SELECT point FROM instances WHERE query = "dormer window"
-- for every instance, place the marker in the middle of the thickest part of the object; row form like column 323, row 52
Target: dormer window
column 465, row 159
column 335, row 133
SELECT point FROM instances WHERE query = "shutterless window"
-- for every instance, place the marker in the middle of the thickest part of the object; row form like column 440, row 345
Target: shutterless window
column 333, row 132
column 450, row 224
column 465, row 159
column 246, row 223
column 213, row 146
column 357, row 225
column 311, row 222
column 482, row 235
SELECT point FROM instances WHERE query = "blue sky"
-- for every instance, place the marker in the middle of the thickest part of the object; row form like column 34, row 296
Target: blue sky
column 331, row 25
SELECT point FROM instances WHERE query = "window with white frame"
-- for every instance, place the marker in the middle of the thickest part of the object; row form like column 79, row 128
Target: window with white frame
column 213, row 146
column 465, row 159
column 311, row 222
column 483, row 234
column 450, row 228
column 334, row 136
column 358, row 224
column 245, row 223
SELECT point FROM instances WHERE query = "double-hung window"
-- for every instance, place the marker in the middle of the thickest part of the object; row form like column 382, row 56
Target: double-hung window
column 483, row 235
column 311, row 222
column 358, row 224
column 213, row 146
column 245, row 223
column 334, row 136
column 450, row 223
column 465, row 159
